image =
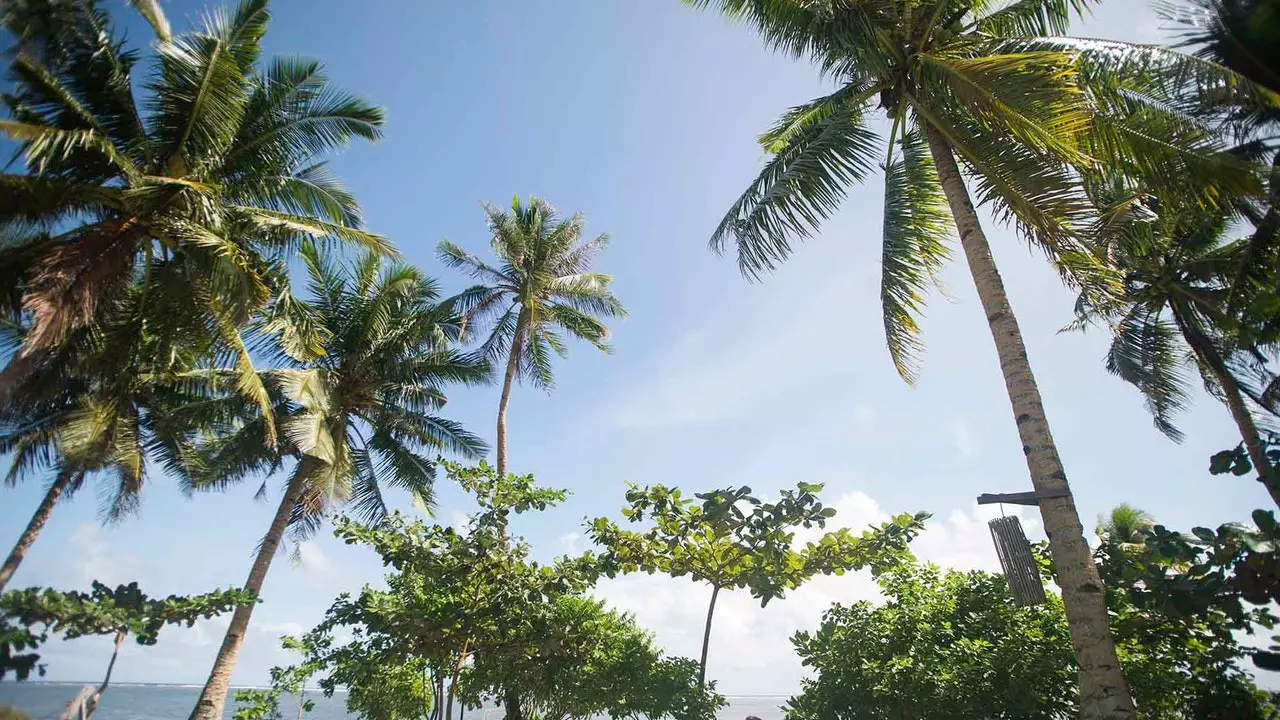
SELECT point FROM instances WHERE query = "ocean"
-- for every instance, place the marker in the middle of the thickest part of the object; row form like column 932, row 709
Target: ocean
column 46, row 700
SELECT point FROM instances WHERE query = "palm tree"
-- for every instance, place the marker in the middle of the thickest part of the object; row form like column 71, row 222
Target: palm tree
column 1172, row 313
column 542, row 286
column 1124, row 524
column 221, row 173
column 116, row 399
column 995, row 88
column 354, row 418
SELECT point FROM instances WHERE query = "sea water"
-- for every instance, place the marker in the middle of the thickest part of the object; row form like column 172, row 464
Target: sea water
column 46, row 701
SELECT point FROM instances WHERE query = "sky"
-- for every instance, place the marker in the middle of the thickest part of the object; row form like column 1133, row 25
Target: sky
column 643, row 116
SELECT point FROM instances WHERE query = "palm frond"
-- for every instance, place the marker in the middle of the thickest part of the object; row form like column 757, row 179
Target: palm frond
column 917, row 227
column 801, row 185
column 151, row 10
column 1145, row 353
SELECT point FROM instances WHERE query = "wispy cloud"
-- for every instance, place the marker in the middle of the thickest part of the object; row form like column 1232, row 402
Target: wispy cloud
column 96, row 560
column 722, row 373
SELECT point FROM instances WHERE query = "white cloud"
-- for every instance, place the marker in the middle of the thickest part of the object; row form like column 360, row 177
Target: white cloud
column 963, row 541
column 569, row 542
column 96, row 560
column 313, row 561
column 707, row 377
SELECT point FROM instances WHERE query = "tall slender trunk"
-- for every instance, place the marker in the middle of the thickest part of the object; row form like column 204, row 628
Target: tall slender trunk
column 20, row 548
column 1210, row 358
column 453, row 679
column 513, row 361
column 214, row 695
column 706, row 636
column 511, row 705
column 1104, row 693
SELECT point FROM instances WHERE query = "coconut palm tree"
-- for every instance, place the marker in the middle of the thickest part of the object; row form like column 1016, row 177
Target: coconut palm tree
column 355, row 419
column 1124, row 524
column 995, row 90
column 541, row 287
column 1172, row 313
column 111, row 403
column 217, row 168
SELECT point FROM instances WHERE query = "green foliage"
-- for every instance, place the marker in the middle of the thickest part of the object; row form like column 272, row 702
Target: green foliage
column 123, row 610
column 1026, row 111
column 378, row 687
column 734, row 540
column 542, row 286
column 363, row 409
column 467, row 616
column 955, row 646
column 591, row 662
column 197, row 201
column 1177, row 614
column 264, row 704
column 1224, row 578
column 948, row 645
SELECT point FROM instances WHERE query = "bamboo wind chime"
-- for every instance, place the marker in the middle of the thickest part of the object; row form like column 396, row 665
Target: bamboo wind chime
column 1013, row 548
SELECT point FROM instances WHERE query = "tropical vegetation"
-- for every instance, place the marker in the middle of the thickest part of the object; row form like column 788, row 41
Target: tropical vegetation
column 187, row 289
column 953, row 644
column 542, row 289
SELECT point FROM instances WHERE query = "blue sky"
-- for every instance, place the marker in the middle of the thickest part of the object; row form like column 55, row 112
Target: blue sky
column 643, row 116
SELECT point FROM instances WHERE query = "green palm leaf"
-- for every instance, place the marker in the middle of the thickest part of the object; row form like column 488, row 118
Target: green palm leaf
column 917, row 228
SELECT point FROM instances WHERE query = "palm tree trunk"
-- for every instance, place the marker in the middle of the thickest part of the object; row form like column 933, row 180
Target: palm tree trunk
column 513, row 361
column 38, row 520
column 1104, row 693
column 1210, row 358
column 706, row 637
column 214, row 696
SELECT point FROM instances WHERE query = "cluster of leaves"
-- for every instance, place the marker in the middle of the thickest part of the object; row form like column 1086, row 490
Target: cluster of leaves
column 943, row 645
column 1222, row 580
column 588, row 661
column 264, row 703
column 30, row 616
column 467, row 616
column 954, row 645
column 733, row 539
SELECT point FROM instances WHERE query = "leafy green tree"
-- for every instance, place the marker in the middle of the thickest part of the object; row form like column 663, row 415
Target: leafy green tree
column 1182, row 657
column 543, row 286
column 379, row 688
column 264, row 703
column 480, row 621
column 222, row 174
column 591, row 662
column 458, row 598
column 952, row 645
column 120, row 612
column 948, row 645
column 734, row 540
column 355, row 418
column 995, row 89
